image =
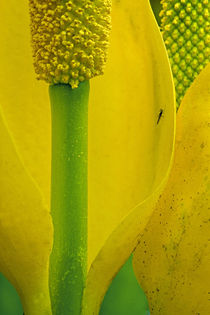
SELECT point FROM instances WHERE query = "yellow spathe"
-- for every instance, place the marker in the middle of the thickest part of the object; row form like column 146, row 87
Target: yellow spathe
column 130, row 151
column 24, row 100
column 25, row 229
column 172, row 259
column 130, row 148
column 124, row 137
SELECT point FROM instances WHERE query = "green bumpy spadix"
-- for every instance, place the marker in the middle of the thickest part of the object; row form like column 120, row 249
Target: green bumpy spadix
column 69, row 39
column 185, row 26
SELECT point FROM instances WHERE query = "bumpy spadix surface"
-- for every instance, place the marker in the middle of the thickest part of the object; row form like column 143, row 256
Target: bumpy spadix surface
column 69, row 39
column 185, row 25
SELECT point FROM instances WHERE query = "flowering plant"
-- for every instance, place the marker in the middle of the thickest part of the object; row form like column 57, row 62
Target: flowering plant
column 130, row 164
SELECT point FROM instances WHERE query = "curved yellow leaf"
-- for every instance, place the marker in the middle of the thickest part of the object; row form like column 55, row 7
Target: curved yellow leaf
column 25, row 229
column 131, row 142
column 172, row 259
column 24, row 100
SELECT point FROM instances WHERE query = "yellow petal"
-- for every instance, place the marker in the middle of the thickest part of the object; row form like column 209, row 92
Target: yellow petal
column 25, row 229
column 130, row 148
column 25, row 226
column 172, row 259
column 24, row 100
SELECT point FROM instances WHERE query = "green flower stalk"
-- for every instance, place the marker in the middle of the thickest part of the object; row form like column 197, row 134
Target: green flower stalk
column 68, row 260
column 69, row 40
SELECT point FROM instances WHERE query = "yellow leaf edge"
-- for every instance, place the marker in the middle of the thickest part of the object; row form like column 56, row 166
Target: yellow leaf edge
column 26, row 228
column 172, row 251
column 123, row 240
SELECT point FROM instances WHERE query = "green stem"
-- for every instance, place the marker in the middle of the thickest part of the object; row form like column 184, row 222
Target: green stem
column 68, row 259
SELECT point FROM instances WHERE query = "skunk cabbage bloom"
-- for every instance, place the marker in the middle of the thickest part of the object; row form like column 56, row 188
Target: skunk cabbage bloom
column 129, row 152
column 131, row 139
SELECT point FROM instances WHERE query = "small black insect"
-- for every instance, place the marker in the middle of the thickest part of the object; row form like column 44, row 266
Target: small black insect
column 160, row 115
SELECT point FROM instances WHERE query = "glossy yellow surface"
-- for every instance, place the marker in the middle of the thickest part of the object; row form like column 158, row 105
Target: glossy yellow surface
column 130, row 141
column 25, row 229
column 130, row 152
column 172, row 259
